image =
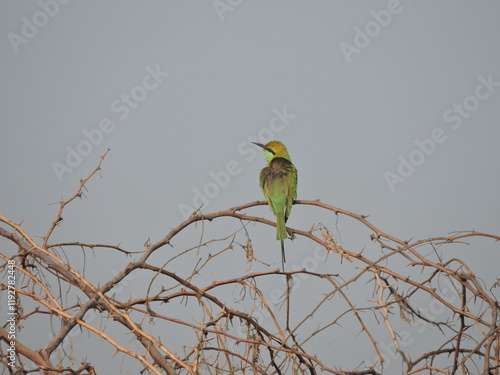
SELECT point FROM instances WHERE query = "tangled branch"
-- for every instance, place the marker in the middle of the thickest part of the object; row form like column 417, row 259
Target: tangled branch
column 193, row 315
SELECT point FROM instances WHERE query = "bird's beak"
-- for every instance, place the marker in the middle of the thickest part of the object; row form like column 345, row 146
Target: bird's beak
column 259, row 144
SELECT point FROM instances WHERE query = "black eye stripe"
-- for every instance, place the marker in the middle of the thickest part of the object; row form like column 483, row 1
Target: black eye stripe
column 271, row 151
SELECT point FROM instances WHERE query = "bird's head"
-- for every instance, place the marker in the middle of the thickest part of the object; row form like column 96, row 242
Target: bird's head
column 274, row 149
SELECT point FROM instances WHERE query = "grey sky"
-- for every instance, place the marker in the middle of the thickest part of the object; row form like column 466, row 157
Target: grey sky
column 180, row 88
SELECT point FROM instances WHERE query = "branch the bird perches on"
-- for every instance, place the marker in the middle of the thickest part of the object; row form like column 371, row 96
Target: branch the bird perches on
column 188, row 312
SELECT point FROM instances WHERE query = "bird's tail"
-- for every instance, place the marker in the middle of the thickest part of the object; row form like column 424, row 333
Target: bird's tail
column 281, row 234
column 283, row 255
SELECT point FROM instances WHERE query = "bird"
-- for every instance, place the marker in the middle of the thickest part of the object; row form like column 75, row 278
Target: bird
column 278, row 181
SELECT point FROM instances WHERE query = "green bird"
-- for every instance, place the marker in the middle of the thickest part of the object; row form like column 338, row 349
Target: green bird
column 278, row 181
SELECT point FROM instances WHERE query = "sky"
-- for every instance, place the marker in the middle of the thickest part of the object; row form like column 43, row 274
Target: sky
column 387, row 108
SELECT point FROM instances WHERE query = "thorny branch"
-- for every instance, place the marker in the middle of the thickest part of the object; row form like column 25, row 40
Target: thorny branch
column 195, row 315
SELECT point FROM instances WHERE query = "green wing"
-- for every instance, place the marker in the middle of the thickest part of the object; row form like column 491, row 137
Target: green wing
column 279, row 184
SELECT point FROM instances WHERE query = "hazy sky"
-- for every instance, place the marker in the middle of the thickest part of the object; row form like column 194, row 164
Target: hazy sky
column 388, row 108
